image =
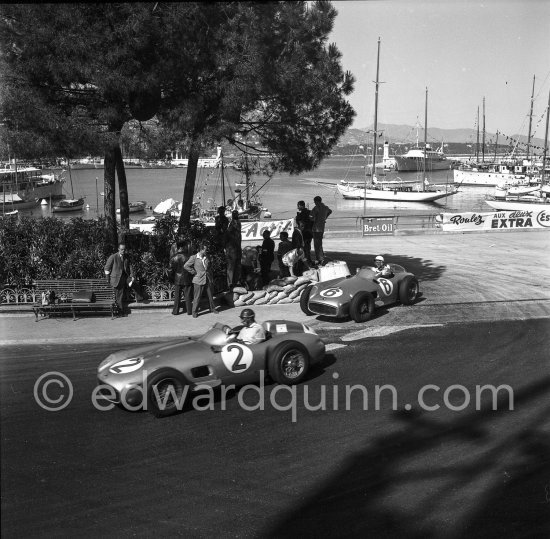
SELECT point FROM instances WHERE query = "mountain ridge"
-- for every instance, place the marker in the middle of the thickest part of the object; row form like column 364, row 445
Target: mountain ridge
column 406, row 134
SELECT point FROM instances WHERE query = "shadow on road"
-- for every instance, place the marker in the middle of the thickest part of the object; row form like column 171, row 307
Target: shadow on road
column 424, row 270
column 465, row 477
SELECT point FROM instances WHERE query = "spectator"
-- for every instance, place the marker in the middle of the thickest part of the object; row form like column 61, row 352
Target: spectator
column 320, row 214
column 297, row 236
column 200, row 266
column 250, row 263
column 296, row 261
column 174, row 247
column 267, row 256
column 233, row 250
column 284, row 247
column 304, row 216
column 120, row 275
column 182, row 279
column 221, row 222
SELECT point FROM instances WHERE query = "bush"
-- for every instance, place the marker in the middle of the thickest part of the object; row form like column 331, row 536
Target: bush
column 50, row 248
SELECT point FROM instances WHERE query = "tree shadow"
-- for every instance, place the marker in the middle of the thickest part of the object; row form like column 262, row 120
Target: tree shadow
column 424, row 270
column 394, row 488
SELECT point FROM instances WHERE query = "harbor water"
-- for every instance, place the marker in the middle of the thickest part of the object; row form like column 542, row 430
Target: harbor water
column 279, row 195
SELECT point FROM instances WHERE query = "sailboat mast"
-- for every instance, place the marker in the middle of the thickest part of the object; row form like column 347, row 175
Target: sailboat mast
column 70, row 177
column 496, row 146
column 425, row 137
column 483, row 139
column 530, row 119
column 375, row 126
column 545, row 141
column 477, row 140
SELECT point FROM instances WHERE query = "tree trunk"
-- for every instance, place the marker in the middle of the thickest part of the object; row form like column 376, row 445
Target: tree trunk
column 111, row 237
column 189, row 190
column 122, row 189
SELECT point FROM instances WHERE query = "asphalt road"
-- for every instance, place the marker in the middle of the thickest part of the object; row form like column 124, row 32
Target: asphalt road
column 338, row 471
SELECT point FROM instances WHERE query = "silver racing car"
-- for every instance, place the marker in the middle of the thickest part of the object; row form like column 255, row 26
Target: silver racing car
column 159, row 377
column 357, row 296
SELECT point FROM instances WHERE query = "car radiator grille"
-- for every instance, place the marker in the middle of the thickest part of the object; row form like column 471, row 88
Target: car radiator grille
column 322, row 308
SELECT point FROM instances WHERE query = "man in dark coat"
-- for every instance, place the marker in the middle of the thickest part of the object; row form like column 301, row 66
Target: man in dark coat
column 304, row 217
column 233, row 250
column 119, row 275
column 182, row 279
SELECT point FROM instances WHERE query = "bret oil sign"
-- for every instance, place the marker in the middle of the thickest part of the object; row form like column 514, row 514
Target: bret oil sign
column 378, row 226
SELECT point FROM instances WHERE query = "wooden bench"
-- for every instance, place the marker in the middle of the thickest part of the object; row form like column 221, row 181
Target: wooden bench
column 65, row 288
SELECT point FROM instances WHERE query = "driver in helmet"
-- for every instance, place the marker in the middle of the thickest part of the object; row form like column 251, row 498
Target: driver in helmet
column 251, row 332
column 381, row 268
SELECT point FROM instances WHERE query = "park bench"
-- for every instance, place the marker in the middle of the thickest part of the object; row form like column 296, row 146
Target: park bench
column 103, row 297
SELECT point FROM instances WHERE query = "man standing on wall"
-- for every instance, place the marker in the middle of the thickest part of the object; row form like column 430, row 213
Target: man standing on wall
column 320, row 214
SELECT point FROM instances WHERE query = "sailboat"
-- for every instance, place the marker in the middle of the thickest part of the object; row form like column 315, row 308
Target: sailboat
column 395, row 190
column 69, row 204
column 535, row 200
column 245, row 200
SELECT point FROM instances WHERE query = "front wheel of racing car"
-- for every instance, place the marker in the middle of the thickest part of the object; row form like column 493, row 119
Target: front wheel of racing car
column 362, row 307
column 408, row 290
column 288, row 363
column 304, row 300
column 166, row 392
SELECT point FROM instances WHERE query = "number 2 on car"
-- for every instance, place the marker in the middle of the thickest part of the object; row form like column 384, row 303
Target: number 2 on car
column 236, row 357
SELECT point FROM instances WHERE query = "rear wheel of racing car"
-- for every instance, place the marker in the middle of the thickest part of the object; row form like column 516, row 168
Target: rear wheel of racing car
column 361, row 307
column 304, row 300
column 408, row 290
column 165, row 392
column 288, row 363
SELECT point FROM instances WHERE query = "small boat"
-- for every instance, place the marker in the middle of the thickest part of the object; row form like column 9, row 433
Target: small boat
column 169, row 206
column 136, row 207
column 520, row 203
column 14, row 201
column 10, row 214
column 68, row 204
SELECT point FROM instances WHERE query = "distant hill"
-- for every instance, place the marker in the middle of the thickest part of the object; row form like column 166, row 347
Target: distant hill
column 405, row 134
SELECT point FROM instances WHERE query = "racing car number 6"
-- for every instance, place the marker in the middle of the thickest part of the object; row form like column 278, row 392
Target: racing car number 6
column 236, row 357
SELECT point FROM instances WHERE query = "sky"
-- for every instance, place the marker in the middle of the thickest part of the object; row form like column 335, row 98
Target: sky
column 461, row 50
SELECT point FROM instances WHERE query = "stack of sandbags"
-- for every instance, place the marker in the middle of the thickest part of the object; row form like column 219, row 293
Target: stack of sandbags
column 278, row 291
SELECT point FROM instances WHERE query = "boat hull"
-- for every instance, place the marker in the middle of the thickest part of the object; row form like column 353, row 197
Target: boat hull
column 135, row 207
column 512, row 205
column 19, row 205
column 392, row 194
column 416, row 164
column 487, row 179
column 68, row 205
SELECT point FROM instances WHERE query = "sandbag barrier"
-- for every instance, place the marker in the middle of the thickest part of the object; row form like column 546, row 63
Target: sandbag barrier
column 278, row 291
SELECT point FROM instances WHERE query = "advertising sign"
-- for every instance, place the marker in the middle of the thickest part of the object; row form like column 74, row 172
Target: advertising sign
column 378, row 226
column 496, row 220
column 252, row 230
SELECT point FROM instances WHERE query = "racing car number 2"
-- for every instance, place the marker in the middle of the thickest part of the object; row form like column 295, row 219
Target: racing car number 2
column 236, row 357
